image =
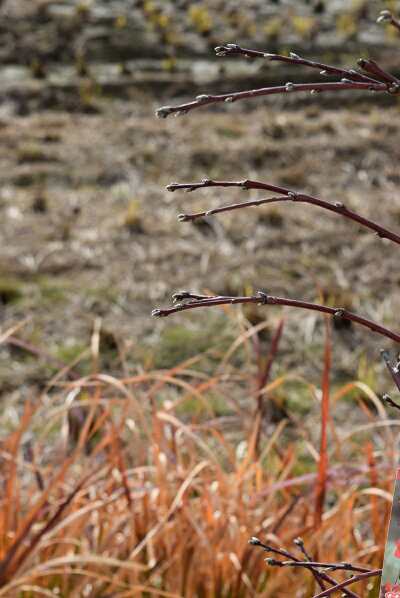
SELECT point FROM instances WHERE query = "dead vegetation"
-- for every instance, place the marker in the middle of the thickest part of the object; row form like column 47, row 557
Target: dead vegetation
column 138, row 485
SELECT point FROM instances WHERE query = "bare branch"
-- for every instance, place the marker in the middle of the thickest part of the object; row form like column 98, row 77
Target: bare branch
column 289, row 195
column 295, row 59
column 313, row 564
column 350, row 78
column 205, row 100
column 370, row 66
column 320, row 576
column 387, row 17
column 262, row 298
column 387, row 399
column 347, row 582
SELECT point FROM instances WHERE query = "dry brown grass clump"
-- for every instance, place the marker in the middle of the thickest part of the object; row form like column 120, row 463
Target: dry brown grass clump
column 152, row 484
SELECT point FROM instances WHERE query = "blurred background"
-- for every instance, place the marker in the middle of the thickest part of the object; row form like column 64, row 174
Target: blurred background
column 139, row 455
column 89, row 232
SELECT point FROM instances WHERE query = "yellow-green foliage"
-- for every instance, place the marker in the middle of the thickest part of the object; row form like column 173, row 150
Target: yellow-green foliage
column 303, row 25
column 273, row 28
column 132, row 219
column 346, row 25
column 200, row 18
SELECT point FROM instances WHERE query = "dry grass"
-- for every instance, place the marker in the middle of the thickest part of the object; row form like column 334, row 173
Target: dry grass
column 137, row 486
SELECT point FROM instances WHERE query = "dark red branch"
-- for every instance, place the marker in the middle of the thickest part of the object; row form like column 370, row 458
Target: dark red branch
column 317, row 564
column 347, row 582
column 320, row 576
column 387, row 17
column 370, row 66
column 337, row 207
column 264, row 299
column 205, row 100
column 325, row 69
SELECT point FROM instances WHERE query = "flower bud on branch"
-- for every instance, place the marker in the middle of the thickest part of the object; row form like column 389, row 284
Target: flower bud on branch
column 349, row 79
column 287, row 195
column 387, row 17
column 262, row 298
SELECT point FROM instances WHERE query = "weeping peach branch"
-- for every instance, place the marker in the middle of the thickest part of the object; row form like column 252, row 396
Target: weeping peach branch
column 367, row 77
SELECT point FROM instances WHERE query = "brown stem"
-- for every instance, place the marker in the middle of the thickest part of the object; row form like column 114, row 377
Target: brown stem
column 337, row 207
column 205, row 100
column 347, row 582
column 387, row 17
column 387, row 399
column 320, row 576
column 370, row 66
column 234, row 49
column 332, row 566
column 264, row 299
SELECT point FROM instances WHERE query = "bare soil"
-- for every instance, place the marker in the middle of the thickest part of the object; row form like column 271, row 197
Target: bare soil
column 89, row 231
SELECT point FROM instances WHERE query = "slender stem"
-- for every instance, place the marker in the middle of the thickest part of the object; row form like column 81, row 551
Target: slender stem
column 347, row 582
column 387, row 17
column 387, row 399
column 337, row 207
column 320, row 576
column 264, row 299
column 333, row 566
column 205, row 100
column 394, row 371
column 234, row 49
column 370, row 66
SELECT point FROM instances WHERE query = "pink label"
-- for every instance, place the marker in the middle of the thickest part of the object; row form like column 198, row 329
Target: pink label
column 390, row 583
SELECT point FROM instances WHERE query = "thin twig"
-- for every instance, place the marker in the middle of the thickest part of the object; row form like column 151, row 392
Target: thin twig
column 205, row 100
column 385, row 398
column 320, row 576
column 265, row 299
column 387, row 17
column 295, row 59
column 370, row 66
column 311, row 564
column 347, row 582
column 287, row 195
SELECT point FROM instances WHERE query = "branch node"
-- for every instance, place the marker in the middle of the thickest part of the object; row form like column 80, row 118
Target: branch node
column 339, row 313
column 255, row 541
column 263, row 297
column 385, row 16
column 180, row 296
column 164, row 111
column 273, row 562
column 202, row 98
column 289, row 86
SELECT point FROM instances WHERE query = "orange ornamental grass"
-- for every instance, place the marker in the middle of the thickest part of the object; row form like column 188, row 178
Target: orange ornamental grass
column 110, row 487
